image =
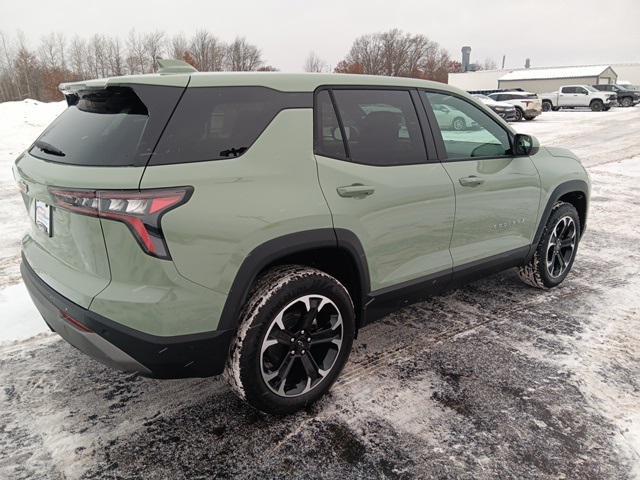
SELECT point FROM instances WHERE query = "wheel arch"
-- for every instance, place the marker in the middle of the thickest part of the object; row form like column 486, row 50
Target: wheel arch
column 337, row 252
column 575, row 192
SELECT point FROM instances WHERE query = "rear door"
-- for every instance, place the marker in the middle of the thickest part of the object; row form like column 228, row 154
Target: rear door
column 568, row 97
column 382, row 184
column 497, row 194
column 101, row 141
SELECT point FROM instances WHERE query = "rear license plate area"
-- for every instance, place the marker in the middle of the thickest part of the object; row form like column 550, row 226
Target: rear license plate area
column 43, row 217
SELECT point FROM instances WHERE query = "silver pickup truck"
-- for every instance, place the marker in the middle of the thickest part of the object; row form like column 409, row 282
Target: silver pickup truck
column 572, row 96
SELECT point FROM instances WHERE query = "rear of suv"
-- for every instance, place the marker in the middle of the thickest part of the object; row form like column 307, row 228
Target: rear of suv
column 190, row 224
column 528, row 105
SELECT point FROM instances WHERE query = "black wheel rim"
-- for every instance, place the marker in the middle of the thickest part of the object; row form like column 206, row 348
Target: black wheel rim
column 561, row 247
column 518, row 115
column 301, row 346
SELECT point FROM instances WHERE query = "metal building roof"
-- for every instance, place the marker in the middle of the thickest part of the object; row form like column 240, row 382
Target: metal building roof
column 561, row 72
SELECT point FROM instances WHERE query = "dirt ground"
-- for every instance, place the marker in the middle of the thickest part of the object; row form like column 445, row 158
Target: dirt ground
column 494, row 380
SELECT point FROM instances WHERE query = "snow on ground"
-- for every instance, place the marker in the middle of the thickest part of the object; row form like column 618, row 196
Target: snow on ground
column 494, row 380
column 20, row 124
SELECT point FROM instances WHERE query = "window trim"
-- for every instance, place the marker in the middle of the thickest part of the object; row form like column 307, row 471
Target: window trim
column 437, row 132
column 430, row 149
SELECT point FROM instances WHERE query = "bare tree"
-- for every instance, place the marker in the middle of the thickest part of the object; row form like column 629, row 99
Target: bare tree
column 154, row 46
column 115, row 61
column 208, row 52
column 27, row 69
column 243, row 56
column 48, row 52
column 8, row 79
column 78, row 56
column 37, row 73
column 314, row 63
column 396, row 53
column 178, row 46
column 136, row 58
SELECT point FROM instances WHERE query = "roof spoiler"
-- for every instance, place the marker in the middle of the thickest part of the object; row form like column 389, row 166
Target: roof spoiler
column 170, row 65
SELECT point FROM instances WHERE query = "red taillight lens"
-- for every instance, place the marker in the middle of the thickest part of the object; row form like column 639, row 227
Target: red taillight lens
column 141, row 211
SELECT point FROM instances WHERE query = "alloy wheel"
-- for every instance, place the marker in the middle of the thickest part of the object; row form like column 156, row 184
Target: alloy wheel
column 561, row 246
column 301, row 346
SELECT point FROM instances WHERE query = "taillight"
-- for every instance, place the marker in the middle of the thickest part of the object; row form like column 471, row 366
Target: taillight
column 141, row 211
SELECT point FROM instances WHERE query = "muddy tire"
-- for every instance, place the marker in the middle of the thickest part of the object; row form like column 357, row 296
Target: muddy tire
column 294, row 338
column 556, row 250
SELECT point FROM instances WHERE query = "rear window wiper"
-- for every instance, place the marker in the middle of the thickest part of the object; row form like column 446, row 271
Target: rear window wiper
column 233, row 151
column 48, row 148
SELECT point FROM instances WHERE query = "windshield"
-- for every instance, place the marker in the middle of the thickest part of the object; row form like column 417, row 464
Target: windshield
column 590, row 88
column 483, row 97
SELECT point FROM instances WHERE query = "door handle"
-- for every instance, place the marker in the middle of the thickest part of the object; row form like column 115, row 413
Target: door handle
column 355, row 191
column 471, row 181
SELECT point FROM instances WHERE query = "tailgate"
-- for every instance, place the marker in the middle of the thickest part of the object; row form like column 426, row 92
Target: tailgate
column 72, row 257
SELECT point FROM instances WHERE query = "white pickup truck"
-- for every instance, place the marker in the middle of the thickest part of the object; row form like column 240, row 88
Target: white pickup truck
column 572, row 96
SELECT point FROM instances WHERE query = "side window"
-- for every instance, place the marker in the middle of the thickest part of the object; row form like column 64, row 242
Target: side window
column 467, row 131
column 381, row 126
column 569, row 90
column 328, row 136
column 213, row 123
column 581, row 91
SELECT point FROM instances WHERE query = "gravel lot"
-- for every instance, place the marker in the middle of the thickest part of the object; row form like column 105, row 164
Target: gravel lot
column 494, row 380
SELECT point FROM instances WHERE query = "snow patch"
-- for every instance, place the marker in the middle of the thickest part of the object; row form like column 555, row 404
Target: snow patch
column 20, row 318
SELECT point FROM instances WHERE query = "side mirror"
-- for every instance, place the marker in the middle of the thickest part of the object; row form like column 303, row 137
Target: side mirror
column 525, row 144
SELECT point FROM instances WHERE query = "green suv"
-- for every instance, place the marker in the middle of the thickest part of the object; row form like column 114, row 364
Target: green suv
column 187, row 224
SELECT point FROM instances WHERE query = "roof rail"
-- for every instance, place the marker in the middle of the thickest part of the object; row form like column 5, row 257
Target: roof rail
column 170, row 65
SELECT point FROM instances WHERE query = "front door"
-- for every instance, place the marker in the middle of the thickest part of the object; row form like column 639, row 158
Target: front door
column 380, row 184
column 497, row 194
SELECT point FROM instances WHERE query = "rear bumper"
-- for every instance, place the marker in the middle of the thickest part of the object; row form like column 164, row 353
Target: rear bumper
column 121, row 347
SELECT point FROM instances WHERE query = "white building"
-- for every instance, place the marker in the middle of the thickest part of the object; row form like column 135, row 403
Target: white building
column 544, row 79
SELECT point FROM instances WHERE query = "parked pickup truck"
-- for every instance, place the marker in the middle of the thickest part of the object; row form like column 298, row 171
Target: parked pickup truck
column 572, row 96
column 626, row 96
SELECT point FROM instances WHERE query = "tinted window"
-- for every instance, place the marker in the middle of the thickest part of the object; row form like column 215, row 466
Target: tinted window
column 467, row 131
column 212, row 123
column 381, row 126
column 582, row 90
column 116, row 126
column 328, row 137
column 569, row 90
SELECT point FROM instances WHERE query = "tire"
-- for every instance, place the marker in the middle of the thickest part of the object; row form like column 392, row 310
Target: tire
column 519, row 115
column 528, row 119
column 626, row 102
column 275, row 321
column 596, row 106
column 459, row 124
column 547, row 106
column 551, row 261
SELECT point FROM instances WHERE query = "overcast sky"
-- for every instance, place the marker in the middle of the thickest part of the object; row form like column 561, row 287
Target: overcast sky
column 550, row 32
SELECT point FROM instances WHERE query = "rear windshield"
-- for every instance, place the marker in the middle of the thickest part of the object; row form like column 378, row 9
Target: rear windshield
column 108, row 127
column 214, row 123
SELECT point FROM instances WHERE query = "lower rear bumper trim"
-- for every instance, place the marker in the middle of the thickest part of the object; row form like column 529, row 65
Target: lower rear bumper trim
column 195, row 355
